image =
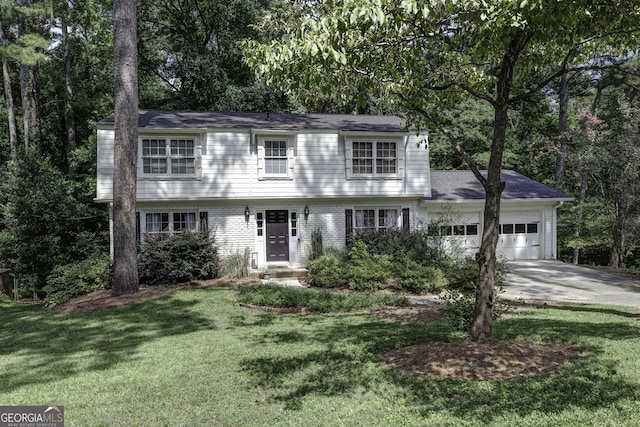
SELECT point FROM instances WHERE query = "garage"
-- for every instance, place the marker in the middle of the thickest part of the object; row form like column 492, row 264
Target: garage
column 519, row 236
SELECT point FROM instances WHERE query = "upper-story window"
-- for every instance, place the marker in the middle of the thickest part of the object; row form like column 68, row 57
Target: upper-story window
column 373, row 158
column 275, row 157
column 169, row 156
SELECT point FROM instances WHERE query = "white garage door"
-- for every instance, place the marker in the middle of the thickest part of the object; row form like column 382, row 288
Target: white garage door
column 519, row 237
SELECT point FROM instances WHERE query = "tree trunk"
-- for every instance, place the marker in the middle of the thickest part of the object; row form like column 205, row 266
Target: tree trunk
column 481, row 328
column 125, row 266
column 68, row 99
column 563, row 127
column 13, row 131
column 584, row 180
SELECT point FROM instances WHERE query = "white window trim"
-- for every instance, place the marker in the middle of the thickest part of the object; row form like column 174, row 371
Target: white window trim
column 291, row 154
column 349, row 157
column 197, row 152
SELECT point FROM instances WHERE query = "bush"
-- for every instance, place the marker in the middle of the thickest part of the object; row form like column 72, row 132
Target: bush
column 327, row 271
column 178, row 258
column 365, row 271
column 316, row 244
column 416, row 278
column 235, row 265
column 76, row 279
column 318, row 300
column 459, row 308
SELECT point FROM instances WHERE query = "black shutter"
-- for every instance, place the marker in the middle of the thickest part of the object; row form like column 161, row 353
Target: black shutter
column 204, row 221
column 348, row 220
column 138, row 227
column 405, row 219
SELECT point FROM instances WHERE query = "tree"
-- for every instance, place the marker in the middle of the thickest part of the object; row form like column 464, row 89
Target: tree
column 428, row 55
column 125, row 266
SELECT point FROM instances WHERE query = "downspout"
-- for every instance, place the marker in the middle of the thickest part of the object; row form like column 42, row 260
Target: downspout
column 554, row 246
column 406, row 172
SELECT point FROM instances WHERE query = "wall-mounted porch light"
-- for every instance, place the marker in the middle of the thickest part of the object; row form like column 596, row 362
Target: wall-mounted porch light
column 306, row 212
column 247, row 214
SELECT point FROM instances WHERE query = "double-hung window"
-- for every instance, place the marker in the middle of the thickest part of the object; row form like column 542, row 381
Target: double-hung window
column 174, row 157
column 275, row 156
column 373, row 158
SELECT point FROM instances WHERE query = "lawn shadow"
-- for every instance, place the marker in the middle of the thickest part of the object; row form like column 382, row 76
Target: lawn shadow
column 52, row 346
column 350, row 360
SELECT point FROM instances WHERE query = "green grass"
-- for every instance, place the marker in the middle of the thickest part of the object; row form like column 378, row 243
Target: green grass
column 193, row 358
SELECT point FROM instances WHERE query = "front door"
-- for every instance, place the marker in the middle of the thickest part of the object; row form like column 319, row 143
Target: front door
column 277, row 236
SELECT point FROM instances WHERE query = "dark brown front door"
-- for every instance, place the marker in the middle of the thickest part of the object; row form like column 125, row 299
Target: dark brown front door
column 277, row 236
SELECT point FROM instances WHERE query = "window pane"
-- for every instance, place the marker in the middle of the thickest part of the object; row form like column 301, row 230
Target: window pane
column 472, row 229
column 182, row 147
column 386, row 157
column 532, row 228
column 458, row 230
column 157, row 223
column 183, row 166
column 387, row 218
column 362, row 158
column 507, row 228
column 365, row 219
column 520, row 228
column 184, row 221
column 152, row 165
column 275, row 157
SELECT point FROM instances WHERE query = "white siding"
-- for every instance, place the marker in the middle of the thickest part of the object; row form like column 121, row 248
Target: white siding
column 229, row 164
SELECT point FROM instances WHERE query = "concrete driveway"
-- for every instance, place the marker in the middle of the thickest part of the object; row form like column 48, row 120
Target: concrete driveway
column 557, row 281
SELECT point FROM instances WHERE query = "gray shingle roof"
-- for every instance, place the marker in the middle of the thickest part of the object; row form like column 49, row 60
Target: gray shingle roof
column 273, row 121
column 463, row 185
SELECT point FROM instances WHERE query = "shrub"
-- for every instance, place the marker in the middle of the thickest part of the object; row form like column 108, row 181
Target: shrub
column 318, row 300
column 459, row 308
column 316, row 244
column 76, row 279
column 178, row 258
column 235, row 265
column 327, row 271
column 416, row 278
column 365, row 271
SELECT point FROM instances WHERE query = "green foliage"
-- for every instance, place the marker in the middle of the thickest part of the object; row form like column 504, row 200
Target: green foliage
column 48, row 219
column 459, row 308
column 317, row 300
column 416, row 278
column 76, row 279
column 317, row 248
column 328, row 271
column 235, row 265
column 178, row 258
column 366, row 271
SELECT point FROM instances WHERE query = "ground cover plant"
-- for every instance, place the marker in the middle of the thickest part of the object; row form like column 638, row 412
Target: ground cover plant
column 194, row 357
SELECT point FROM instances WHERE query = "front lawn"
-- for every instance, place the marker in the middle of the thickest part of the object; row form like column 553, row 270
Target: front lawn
column 195, row 358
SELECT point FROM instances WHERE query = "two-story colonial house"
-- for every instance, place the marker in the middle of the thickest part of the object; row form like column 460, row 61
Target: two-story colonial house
column 265, row 181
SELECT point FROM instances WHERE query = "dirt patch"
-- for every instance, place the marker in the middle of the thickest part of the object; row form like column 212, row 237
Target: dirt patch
column 427, row 313
column 491, row 359
column 102, row 300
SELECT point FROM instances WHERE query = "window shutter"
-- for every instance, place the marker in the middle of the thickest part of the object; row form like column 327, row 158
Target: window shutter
column 204, row 221
column 401, row 149
column 290, row 157
column 260, row 159
column 348, row 156
column 405, row 220
column 138, row 227
column 348, row 220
